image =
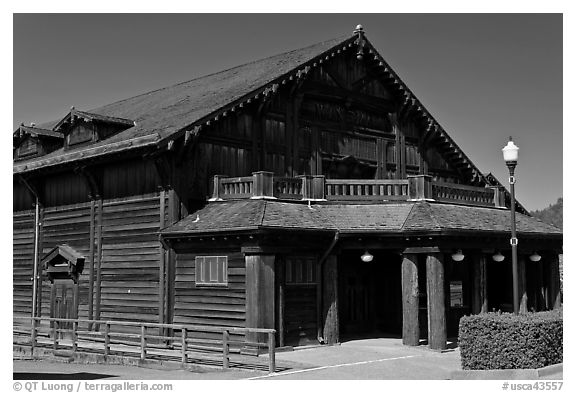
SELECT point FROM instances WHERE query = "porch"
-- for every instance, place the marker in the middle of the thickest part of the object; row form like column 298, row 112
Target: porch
column 304, row 275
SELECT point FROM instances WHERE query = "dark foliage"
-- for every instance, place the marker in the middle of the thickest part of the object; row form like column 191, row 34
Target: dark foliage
column 551, row 215
column 494, row 341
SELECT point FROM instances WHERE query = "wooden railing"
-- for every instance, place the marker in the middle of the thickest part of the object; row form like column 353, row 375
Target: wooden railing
column 458, row 193
column 287, row 188
column 236, row 187
column 418, row 187
column 97, row 335
column 354, row 190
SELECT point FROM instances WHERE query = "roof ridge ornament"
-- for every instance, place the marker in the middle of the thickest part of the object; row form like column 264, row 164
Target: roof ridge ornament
column 360, row 41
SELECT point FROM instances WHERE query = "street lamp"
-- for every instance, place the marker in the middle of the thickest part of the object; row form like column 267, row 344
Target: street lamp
column 510, row 153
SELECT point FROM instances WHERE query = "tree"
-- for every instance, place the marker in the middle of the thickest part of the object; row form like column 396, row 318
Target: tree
column 551, row 215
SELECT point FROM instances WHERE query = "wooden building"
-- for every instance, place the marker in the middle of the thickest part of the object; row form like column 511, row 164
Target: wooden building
column 310, row 192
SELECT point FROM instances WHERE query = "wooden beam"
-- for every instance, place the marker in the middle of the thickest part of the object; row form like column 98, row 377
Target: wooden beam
column 479, row 283
column 336, row 94
column 280, row 270
column 162, row 260
column 554, row 295
column 91, row 181
column 435, row 281
column 99, row 235
column 331, row 330
column 92, row 253
column 33, row 187
column 260, row 297
column 162, row 166
column 522, row 295
column 410, row 298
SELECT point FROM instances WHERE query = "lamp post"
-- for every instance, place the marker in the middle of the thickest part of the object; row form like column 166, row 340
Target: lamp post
column 510, row 153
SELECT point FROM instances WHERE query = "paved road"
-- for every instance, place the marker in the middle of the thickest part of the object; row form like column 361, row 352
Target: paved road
column 358, row 359
column 369, row 359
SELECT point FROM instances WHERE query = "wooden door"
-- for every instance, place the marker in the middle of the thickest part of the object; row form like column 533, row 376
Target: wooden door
column 357, row 312
column 64, row 301
column 301, row 297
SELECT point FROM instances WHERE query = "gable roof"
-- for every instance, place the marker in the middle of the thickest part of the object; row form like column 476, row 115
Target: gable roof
column 92, row 117
column 33, row 130
column 243, row 215
column 66, row 252
column 161, row 113
column 166, row 114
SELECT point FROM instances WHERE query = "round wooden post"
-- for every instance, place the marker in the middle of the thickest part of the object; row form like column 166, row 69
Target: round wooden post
column 410, row 291
column 184, row 346
column 225, row 349
column 143, row 343
column 106, row 338
column 436, row 301
column 33, row 336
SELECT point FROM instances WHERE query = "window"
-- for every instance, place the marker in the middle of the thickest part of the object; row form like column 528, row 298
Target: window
column 456, row 294
column 211, row 271
column 301, row 271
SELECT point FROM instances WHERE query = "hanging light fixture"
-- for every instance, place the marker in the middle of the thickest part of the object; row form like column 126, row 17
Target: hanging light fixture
column 367, row 257
column 535, row 257
column 458, row 256
column 498, row 257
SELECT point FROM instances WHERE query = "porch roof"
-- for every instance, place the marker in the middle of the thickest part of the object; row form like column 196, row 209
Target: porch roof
column 406, row 217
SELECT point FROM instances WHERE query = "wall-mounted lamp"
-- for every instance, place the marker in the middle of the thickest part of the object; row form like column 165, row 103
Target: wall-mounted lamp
column 458, row 256
column 535, row 257
column 498, row 257
column 367, row 257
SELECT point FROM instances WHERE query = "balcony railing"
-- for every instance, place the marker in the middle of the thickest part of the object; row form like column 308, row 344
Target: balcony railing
column 263, row 185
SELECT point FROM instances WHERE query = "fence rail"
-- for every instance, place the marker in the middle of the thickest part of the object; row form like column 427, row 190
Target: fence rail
column 459, row 193
column 317, row 187
column 348, row 189
column 70, row 333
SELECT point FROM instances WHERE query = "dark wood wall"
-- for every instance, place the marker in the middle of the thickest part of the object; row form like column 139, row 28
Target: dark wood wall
column 117, row 233
column 210, row 306
column 340, row 121
column 23, row 256
column 341, row 110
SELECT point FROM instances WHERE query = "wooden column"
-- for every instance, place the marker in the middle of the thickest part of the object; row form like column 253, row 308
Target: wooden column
column 98, row 284
column 479, row 284
column 259, row 295
column 331, row 332
column 554, row 298
column 410, row 307
column 280, row 273
column 161, row 260
column 436, row 301
column 92, row 253
column 522, row 294
column 540, row 291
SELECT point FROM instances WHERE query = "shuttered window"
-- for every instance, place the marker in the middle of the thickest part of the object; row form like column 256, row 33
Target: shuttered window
column 211, row 271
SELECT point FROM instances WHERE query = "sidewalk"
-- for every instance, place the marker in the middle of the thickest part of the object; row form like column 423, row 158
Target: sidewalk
column 359, row 359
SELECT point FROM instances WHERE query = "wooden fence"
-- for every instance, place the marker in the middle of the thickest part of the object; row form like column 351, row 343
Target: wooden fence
column 97, row 335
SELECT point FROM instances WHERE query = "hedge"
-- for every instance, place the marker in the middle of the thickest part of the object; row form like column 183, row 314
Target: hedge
column 494, row 341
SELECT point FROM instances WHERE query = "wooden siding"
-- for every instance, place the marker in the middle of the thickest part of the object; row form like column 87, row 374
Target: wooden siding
column 129, row 268
column 21, row 197
column 217, row 306
column 23, row 265
column 129, row 178
column 67, row 225
column 64, row 189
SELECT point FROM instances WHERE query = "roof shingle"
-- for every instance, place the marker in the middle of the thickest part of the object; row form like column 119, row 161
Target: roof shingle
column 348, row 218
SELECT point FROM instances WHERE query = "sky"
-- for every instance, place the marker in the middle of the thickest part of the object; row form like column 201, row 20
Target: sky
column 482, row 76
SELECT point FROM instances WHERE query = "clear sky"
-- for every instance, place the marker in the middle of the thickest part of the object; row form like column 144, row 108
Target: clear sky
column 482, row 76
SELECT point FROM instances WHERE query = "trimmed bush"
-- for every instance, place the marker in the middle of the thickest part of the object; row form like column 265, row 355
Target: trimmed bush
column 495, row 341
